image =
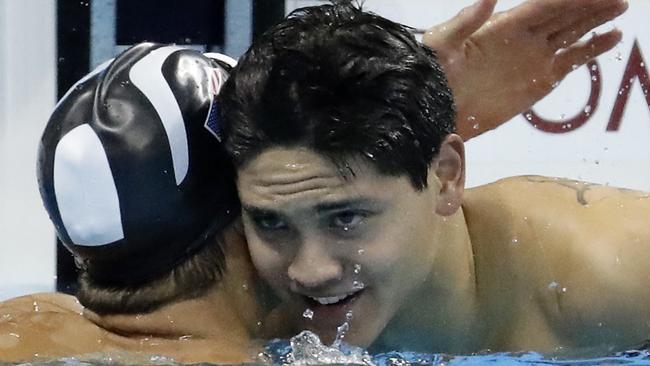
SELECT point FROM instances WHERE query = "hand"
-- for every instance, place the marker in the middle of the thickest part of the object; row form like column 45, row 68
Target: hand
column 500, row 65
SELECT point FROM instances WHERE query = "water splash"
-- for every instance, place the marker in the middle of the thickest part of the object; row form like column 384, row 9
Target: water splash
column 308, row 313
column 307, row 349
column 342, row 330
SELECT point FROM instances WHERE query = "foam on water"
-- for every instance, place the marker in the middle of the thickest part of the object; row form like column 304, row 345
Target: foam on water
column 306, row 349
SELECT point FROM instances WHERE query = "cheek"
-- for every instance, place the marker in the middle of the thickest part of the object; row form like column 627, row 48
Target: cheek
column 268, row 262
column 402, row 248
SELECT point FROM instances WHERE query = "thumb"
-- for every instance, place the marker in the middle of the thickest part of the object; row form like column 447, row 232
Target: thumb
column 461, row 26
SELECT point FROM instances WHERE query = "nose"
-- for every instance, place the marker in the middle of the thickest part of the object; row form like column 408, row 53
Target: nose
column 313, row 266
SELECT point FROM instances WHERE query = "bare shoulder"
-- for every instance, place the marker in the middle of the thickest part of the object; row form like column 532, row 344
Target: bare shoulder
column 573, row 217
column 583, row 248
column 563, row 197
column 42, row 303
column 47, row 325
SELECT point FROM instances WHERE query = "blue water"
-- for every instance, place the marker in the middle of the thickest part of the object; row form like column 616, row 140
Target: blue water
column 280, row 353
column 287, row 353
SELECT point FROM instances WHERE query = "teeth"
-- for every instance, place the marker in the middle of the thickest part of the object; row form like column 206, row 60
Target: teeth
column 330, row 300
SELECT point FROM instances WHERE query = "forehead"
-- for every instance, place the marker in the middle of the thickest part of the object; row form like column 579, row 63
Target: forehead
column 300, row 176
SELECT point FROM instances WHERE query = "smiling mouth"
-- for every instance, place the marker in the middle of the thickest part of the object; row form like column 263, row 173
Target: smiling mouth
column 334, row 300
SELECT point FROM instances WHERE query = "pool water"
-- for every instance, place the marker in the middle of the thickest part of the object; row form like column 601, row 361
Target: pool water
column 306, row 349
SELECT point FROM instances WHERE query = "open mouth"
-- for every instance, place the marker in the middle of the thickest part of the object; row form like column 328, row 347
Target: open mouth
column 333, row 300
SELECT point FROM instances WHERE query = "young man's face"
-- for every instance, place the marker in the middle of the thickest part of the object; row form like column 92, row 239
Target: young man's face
column 333, row 244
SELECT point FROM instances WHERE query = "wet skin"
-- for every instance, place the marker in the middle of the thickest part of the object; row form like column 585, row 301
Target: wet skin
column 335, row 244
column 526, row 263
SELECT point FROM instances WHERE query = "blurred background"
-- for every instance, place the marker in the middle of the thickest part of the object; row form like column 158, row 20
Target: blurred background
column 594, row 126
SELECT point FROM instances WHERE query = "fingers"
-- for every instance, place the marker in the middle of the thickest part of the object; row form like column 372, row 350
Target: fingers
column 575, row 31
column 555, row 15
column 465, row 23
column 579, row 53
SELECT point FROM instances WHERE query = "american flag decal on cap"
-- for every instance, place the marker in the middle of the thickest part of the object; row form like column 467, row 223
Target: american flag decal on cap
column 217, row 78
column 212, row 122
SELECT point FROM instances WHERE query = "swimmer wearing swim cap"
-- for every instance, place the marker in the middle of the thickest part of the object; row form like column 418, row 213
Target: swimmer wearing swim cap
column 139, row 188
column 352, row 184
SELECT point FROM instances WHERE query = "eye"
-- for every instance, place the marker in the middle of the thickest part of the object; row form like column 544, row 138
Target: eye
column 347, row 220
column 269, row 222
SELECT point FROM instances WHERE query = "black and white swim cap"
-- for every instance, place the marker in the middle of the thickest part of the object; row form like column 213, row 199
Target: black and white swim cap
column 130, row 165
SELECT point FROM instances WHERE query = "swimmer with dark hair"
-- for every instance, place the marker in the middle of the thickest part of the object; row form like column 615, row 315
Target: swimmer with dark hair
column 352, row 183
column 134, row 176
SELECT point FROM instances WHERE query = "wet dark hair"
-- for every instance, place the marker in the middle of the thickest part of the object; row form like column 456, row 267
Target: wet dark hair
column 344, row 83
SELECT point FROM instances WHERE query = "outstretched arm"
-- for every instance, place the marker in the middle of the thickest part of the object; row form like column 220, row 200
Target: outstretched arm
column 499, row 65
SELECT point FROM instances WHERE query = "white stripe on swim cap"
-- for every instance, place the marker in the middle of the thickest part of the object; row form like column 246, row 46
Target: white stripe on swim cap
column 97, row 70
column 85, row 190
column 147, row 76
column 221, row 57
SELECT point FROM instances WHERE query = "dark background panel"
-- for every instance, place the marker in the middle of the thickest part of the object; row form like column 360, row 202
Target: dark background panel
column 167, row 21
column 73, row 55
column 265, row 14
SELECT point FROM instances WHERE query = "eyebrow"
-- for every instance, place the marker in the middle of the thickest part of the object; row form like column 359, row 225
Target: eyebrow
column 320, row 208
column 345, row 204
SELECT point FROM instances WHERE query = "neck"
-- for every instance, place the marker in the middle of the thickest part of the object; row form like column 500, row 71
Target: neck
column 229, row 310
column 205, row 317
column 441, row 313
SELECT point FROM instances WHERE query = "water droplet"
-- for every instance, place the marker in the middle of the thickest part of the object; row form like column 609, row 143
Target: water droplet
column 357, row 268
column 361, row 251
column 529, row 116
column 587, row 109
column 574, row 66
column 619, row 56
column 553, row 285
column 186, row 337
column 515, row 241
column 476, row 126
column 36, row 307
column 594, row 78
column 471, row 118
column 358, row 285
column 594, row 67
column 555, row 84
column 308, row 313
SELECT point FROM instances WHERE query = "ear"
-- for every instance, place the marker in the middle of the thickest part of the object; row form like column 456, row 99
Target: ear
column 449, row 168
